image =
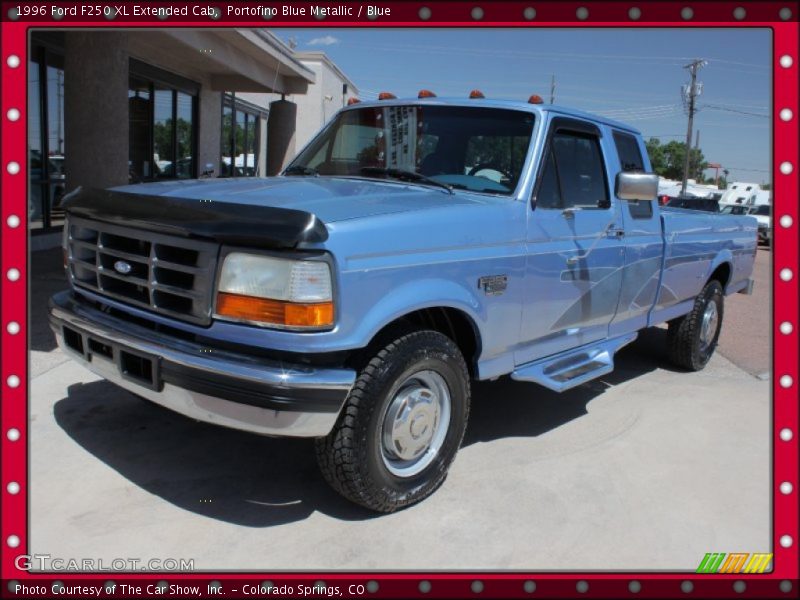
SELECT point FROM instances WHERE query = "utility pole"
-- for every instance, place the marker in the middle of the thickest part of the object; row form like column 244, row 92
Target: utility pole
column 552, row 89
column 697, row 148
column 692, row 91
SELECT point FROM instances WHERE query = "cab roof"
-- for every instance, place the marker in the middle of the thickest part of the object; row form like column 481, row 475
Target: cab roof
column 497, row 103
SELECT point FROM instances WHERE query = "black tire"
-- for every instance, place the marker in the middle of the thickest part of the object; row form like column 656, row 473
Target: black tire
column 353, row 457
column 689, row 346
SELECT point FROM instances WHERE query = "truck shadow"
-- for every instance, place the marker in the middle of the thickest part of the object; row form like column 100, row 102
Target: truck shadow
column 508, row 408
column 250, row 480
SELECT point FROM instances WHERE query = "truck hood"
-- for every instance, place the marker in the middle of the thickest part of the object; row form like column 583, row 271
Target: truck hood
column 330, row 199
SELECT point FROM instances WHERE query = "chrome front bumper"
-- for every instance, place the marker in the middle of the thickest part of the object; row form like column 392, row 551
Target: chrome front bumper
column 215, row 386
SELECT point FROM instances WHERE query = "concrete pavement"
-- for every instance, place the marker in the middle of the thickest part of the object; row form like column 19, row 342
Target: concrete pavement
column 645, row 469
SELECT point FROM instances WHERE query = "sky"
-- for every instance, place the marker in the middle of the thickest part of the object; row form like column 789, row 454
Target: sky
column 632, row 75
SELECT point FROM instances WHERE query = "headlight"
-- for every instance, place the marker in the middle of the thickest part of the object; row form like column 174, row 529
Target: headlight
column 289, row 294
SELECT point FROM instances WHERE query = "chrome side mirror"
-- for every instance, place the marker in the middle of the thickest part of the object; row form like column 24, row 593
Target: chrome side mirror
column 637, row 186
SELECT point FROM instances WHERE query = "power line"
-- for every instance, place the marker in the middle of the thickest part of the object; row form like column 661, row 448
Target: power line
column 641, row 113
column 748, row 170
column 737, row 105
column 633, row 108
column 741, row 64
column 733, row 110
column 418, row 49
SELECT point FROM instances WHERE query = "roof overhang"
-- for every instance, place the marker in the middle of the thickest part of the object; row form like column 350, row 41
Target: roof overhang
column 241, row 60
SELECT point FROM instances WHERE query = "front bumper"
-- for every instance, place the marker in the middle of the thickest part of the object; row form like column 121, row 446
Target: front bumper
column 215, row 386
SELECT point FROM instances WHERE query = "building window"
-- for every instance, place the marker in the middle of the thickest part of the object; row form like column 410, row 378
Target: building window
column 163, row 125
column 46, row 145
column 240, row 143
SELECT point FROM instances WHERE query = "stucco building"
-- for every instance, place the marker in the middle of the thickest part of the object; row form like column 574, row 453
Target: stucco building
column 107, row 108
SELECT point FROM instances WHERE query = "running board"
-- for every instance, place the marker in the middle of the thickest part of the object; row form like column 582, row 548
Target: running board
column 573, row 367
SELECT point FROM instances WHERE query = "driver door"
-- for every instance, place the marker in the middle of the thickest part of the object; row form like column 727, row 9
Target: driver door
column 574, row 245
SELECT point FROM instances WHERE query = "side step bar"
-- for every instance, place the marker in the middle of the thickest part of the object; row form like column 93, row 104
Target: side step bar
column 573, row 367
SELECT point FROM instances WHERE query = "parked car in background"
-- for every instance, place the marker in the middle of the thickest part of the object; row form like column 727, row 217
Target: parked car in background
column 764, row 218
column 735, row 209
column 692, row 203
column 739, row 192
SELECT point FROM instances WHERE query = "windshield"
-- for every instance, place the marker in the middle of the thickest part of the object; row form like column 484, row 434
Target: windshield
column 472, row 148
column 762, row 210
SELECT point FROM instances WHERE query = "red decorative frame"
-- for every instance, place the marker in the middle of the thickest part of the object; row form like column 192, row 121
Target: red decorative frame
column 781, row 582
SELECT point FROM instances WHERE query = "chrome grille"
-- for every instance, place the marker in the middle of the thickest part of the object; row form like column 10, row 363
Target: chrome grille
column 167, row 274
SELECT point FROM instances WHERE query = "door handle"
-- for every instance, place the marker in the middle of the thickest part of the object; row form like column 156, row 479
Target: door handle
column 612, row 232
column 615, row 233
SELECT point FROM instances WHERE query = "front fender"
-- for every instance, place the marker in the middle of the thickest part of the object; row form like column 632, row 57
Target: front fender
column 413, row 296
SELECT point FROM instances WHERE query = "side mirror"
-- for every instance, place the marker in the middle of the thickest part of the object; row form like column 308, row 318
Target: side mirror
column 637, row 186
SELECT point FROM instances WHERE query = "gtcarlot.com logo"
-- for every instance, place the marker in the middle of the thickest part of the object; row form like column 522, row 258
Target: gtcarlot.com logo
column 46, row 562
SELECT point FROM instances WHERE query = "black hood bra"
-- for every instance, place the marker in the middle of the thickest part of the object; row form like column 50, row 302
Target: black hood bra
column 225, row 222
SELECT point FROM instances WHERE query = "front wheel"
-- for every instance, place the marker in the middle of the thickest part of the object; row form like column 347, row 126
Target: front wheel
column 693, row 338
column 401, row 425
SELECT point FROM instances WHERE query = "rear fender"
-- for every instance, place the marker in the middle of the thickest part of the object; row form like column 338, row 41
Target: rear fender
column 724, row 256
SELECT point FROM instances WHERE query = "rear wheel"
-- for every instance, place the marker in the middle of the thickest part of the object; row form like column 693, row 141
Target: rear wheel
column 693, row 338
column 402, row 424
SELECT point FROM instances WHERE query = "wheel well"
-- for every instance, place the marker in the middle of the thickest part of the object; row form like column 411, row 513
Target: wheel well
column 453, row 323
column 722, row 274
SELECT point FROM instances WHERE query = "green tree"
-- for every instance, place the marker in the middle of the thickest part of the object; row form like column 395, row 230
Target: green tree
column 667, row 159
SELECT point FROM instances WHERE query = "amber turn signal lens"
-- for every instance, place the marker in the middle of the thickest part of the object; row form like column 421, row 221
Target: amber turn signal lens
column 308, row 315
column 275, row 312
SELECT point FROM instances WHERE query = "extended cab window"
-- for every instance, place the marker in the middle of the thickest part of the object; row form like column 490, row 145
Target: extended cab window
column 630, row 159
column 573, row 173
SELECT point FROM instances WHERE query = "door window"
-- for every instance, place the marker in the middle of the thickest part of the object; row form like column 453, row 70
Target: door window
column 573, row 173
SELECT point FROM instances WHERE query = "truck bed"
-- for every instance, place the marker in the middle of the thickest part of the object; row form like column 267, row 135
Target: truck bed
column 696, row 244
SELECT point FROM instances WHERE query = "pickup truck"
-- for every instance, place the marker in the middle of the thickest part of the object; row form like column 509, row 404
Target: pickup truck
column 411, row 247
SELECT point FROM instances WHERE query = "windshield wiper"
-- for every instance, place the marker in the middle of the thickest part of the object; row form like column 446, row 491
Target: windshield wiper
column 403, row 174
column 300, row 170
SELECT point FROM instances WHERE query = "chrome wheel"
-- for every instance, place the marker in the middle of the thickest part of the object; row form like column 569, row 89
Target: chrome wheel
column 708, row 326
column 415, row 424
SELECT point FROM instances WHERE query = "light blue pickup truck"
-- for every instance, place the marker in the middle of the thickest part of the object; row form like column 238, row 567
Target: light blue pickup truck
column 413, row 246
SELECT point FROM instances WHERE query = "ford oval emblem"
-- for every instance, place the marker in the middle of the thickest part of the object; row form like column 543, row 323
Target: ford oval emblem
column 122, row 267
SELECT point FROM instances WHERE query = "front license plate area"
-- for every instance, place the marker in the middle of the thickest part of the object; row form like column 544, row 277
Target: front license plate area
column 139, row 367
